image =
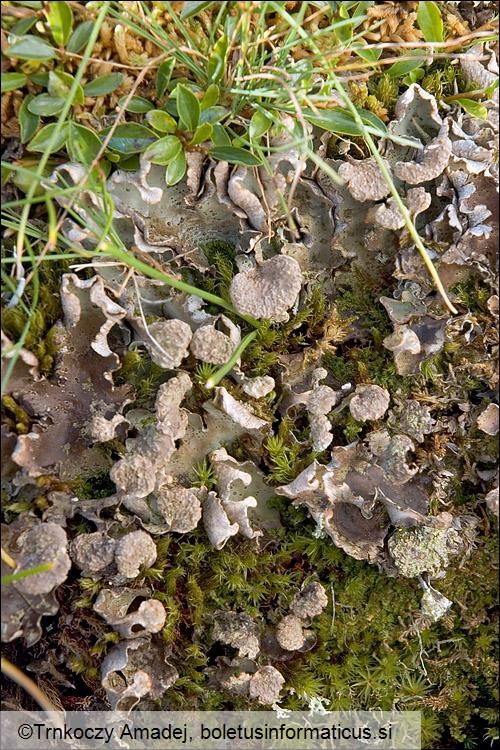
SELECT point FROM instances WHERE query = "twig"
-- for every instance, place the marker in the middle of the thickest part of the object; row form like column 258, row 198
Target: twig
column 16, row 675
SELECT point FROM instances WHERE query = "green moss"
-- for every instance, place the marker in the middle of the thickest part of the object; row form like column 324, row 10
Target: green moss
column 16, row 418
column 386, row 89
column 41, row 337
column 203, row 475
column 352, row 428
column 143, row 375
column 472, row 294
column 95, row 486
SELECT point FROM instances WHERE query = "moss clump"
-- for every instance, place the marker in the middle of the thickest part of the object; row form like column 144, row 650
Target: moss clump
column 472, row 294
column 143, row 375
column 41, row 336
column 386, row 90
column 95, row 486
column 14, row 416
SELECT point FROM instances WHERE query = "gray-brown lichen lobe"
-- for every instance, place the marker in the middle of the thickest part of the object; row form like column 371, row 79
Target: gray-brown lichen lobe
column 290, row 633
column 419, row 550
column 265, row 686
column 210, row 345
column 93, row 552
column 134, row 474
column 43, row 544
column 269, row 290
column 238, row 630
column 310, row 602
column 133, row 551
column 167, row 342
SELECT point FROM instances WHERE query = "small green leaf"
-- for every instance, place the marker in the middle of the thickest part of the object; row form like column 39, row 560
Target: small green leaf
column 429, row 21
column 42, row 139
column 23, row 26
column 163, row 76
column 344, row 31
column 403, row 67
column 489, row 90
column 161, row 121
column 13, row 81
column 80, row 37
column 138, row 105
column 413, row 76
column 57, row 86
column 12, row 577
column 259, row 124
column 41, row 79
column 334, row 121
column 210, row 97
column 129, row 163
column 46, row 105
column 60, row 84
column 83, row 144
column 163, row 150
column 103, row 85
column 192, row 7
column 188, row 107
column 217, row 60
column 202, row 133
column 369, row 118
column 235, row 155
column 60, row 19
column 367, row 53
column 176, row 169
column 31, row 48
column 130, row 138
column 476, row 109
column 213, row 114
column 28, row 122
column 220, row 136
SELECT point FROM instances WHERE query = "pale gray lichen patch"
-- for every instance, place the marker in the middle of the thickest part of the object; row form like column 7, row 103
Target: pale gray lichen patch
column 389, row 216
column 134, row 551
column 45, row 543
column 488, row 420
column 102, row 430
column 179, row 507
column 93, row 553
column 419, row 550
column 433, row 604
column 364, row 179
column 369, row 402
column 116, row 606
column 265, row 686
column 259, row 386
column 217, row 525
column 318, row 401
column 238, row 630
column 167, row 342
column 290, row 633
column 238, row 411
column 394, row 461
column 432, row 162
column 210, row 345
column 269, row 290
column 413, row 419
column 134, row 669
column 134, row 474
column 310, row 602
